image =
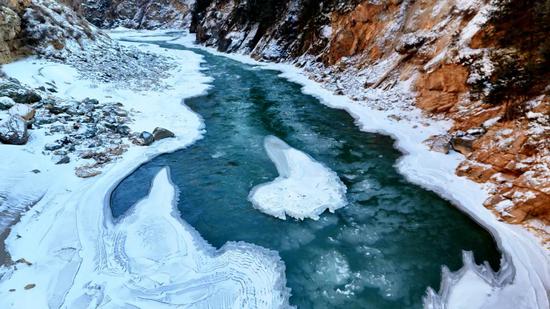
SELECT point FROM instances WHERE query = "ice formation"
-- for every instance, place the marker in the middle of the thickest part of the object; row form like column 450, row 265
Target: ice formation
column 152, row 257
column 304, row 189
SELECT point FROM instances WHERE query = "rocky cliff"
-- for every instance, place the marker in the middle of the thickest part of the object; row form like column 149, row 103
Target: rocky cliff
column 136, row 14
column 43, row 27
column 10, row 29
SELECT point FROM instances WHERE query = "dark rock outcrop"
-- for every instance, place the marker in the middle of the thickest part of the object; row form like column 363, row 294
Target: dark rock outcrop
column 136, row 14
column 161, row 133
column 13, row 130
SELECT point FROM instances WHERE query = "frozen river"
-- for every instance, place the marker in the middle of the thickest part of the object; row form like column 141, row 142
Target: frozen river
column 381, row 250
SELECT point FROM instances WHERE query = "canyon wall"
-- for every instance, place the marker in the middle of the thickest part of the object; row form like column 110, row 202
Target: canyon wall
column 43, row 27
column 136, row 14
column 451, row 54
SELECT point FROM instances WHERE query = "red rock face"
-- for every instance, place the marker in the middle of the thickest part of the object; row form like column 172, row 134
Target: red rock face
column 356, row 31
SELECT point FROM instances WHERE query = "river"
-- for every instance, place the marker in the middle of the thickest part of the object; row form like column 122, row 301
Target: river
column 380, row 251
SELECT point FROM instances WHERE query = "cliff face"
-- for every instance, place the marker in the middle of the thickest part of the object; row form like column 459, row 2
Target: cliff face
column 43, row 27
column 450, row 54
column 10, row 29
column 136, row 14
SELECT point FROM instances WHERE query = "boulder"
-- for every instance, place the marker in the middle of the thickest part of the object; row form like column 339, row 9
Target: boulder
column 146, row 138
column 61, row 159
column 53, row 146
column 14, row 131
column 123, row 130
column 86, row 172
column 161, row 133
column 26, row 112
column 18, row 93
column 6, row 103
column 439, row 143
column 463, row 143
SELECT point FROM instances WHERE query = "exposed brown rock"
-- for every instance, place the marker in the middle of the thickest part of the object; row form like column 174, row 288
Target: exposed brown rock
column 440, row 90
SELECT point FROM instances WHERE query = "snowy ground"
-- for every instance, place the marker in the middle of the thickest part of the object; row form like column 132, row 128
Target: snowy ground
column 524, row 278
column 72, row 254
column 304, row 189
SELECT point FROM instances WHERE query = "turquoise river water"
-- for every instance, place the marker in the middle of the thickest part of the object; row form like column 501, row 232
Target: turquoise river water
column 381, row 251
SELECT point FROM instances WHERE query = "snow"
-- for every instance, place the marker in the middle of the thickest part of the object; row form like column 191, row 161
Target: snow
column 473, row 27
column 304, row 189
column 80, row 257
column 525, row 278
column 326, row 31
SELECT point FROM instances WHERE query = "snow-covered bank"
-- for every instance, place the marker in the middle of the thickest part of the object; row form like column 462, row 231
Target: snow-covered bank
column 524, row 279
column 79, row 258
column 304, row 189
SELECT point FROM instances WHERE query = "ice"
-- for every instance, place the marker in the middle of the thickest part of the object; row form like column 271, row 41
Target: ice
column 331, row 269
column 152, row 256
column 304, row 189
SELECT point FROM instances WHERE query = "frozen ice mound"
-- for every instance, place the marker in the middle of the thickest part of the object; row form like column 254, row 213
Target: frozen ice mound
column 304, row 189
column 153, row 258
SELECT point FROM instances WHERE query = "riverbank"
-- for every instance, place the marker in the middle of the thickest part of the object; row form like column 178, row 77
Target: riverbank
column 77, row 256
column 524, row 280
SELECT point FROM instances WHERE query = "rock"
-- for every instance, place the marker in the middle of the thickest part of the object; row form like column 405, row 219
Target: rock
column 61, row 159
column 6, row 103
column 23, row 261
column 53, row 146
column 161, row 133
column 463, row 143
column 29, row 286
column 117, row 150
column 146, row 138
column 14, row 131
column 30, row 97
column 86, row 172
column 26, row 112
column 87, row 154
column 90, row 101
column 439, row 143
column 121, row 113
column 14, row 90
column 43, row 118
column 123, row 130
column 476, row 131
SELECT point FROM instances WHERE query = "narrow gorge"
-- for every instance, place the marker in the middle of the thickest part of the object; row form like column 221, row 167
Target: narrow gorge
column 274, row 154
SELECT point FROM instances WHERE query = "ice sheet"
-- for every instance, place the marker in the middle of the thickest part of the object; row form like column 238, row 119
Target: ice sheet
column 305, row 188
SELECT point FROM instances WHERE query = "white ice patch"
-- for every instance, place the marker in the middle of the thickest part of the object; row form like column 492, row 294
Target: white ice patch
column 474, row 286
column 304, row 189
